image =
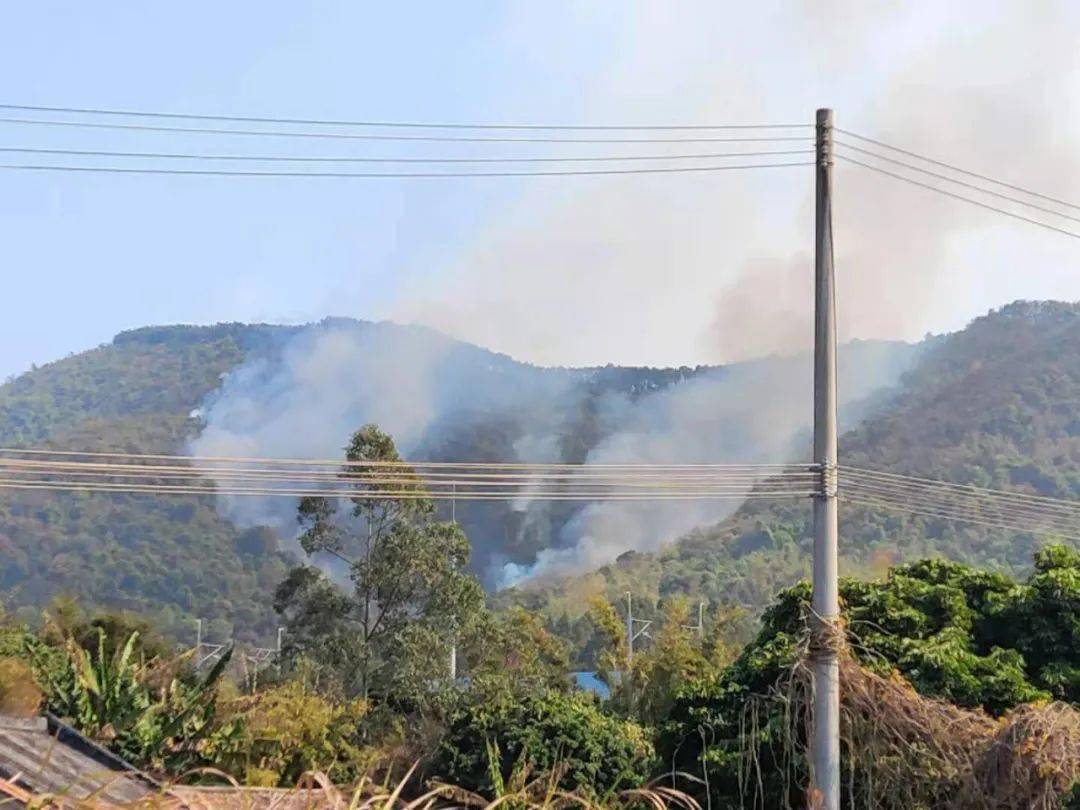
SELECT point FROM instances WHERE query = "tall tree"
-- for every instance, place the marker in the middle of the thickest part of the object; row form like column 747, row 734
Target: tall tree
column 407, row 573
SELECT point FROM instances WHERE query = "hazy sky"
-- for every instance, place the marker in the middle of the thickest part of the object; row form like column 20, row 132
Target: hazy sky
column 662, row 270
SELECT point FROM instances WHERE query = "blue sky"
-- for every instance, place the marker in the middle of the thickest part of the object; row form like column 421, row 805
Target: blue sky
column 650, row 270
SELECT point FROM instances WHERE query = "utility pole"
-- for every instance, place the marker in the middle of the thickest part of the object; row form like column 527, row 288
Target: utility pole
column 277, row 655
column 825, row 740
column 698, row 628
column 631, row 634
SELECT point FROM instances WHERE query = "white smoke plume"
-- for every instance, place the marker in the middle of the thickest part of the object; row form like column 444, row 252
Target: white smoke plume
column 306, row 401
column 306, row 397
column 716, row 268
column 756, row 412
column 693, row 269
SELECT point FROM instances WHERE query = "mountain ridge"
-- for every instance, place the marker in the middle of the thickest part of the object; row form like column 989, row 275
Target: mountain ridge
column 995, row 405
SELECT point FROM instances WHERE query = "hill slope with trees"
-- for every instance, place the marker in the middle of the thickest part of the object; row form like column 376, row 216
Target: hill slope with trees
column 996, row 405
column 175, row 559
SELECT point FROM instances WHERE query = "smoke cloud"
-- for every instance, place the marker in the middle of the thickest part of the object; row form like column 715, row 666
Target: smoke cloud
column 443, row 399
column 693, row 269
column 702, row 268
column 756, row 412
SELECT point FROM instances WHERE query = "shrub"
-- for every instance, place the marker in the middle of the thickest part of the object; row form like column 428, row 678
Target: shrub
column 274, row 737
column 550, row 731
column 19, row 695
column 151, row 712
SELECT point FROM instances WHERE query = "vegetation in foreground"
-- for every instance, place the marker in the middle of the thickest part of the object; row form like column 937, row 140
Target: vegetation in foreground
column 957, row 681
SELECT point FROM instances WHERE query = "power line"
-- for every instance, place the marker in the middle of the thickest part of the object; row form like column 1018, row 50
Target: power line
column 1016, row 511
column 958, row 169
column 39, row 451
column 387, row 137
column 351, row 159
column 585, row 477
column 908, row 507
column 1011, row 500
column 369, row 175
column 164, row 474
column 961, row 183
column 966, row 489
column 228, row 478
column 394, row 495
column 981, row 508
column 959, row 197
column 386, row 124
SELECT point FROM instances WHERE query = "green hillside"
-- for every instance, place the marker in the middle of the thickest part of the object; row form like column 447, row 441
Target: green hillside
column 997, row 404
column 176, row 559
column 171, row 558
column 993, row 404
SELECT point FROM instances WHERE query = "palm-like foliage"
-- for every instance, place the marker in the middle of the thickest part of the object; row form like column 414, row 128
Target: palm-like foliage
column 148, row 711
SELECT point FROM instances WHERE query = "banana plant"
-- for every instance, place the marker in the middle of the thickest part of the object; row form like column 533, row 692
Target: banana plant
column 140, row 709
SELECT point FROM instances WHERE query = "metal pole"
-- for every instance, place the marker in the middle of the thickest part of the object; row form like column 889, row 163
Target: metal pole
column 453, row 663
column 825, row 741
column 277, row 655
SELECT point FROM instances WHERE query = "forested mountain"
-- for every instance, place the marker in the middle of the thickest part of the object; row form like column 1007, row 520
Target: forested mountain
column 997, row 404
column 178, row 558
column 993, row 404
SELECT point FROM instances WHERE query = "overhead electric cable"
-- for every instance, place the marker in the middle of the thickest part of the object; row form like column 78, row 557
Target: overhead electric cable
column 369, row 175
column 962, row 183
column 410, row 494
column 567, row 482
column 35, row 468
column 249, row 119
column 352, row 159
column 846, row 473
column 428, row 479
column 366, row 136
column 952, row 516
column 585, row 475
column 953, row 501
column 945, row 165
column 38, row 452
column 959, row 197
column 982, row 506
column 908, row 507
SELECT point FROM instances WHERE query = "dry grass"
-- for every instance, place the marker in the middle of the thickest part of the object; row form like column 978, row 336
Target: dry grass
column 316, row 792
column 913, row 751
column 903, row 750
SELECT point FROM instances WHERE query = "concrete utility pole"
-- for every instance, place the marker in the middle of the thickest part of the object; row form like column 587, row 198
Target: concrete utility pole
column 825, row 740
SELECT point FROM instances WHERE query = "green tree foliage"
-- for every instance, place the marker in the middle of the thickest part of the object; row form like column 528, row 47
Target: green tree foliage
column 993, row 405
column 152, row 712
column 676, row 653
column 411, row 593
column 546, row 731
column 275, row 736
column 973, row 638
column 172, row 559
column 512, row 653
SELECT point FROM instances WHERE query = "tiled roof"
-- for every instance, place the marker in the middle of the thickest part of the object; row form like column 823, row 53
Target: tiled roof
column 44, row 756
